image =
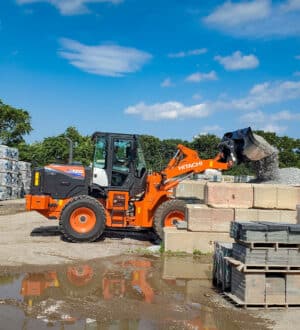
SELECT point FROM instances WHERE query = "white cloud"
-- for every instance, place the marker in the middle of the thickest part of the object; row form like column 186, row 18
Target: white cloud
column 269, row 122
column 105, row 60
column 267, row 93
column 256, row 18
column 234, row 14
column 197, row 96
column 285, row 115
column 167, row 83
column 199, row 76
column 69, row 7
column 273, row 128
column 238, row 61
column 258, row 97
column 193, row 52
column 211, row 129
column 169, row 110
column 291, row 5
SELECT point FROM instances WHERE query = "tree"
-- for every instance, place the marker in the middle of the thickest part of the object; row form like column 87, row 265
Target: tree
column 152, row 152
column 288, row 148
column 14, row 124
column 55, row 149
column 206, row 145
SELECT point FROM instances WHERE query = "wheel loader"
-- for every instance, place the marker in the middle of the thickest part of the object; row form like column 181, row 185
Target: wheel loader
column 118, row 192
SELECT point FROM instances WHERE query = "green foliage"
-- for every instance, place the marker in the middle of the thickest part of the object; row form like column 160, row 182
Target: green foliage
column 152, row 152
column 206, row 145
column 55, row 149
column 14, row 124
column 289, row 148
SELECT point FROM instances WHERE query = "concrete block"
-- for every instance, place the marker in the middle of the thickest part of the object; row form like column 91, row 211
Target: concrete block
column 190, row 189
column 293, row 289
column 264, row 196
column 279, row 216
column 250, row 288
column 288, row 216
column 187, row 241
column 245, row 214
column 270, row 196
column 287, row 197
column 275, row 289
column 229, row 195
column 269, row 215
column 204, row 218
column 186, row 268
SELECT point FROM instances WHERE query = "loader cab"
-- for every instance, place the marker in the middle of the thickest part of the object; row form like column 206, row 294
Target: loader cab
column 119, row 163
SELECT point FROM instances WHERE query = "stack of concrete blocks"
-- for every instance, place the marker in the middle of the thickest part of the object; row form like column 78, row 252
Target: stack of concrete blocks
column 13, row 181
column 265, row 264
column 8, row 172
column 25, row 175
column 211, row 206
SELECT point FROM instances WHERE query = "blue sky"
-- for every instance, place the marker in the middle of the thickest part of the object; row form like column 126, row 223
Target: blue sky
column 173, row 69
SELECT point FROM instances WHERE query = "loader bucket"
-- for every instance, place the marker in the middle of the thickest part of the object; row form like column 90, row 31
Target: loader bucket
column 243, row 145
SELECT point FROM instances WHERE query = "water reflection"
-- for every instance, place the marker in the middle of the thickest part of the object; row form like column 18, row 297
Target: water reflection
column 126, row 293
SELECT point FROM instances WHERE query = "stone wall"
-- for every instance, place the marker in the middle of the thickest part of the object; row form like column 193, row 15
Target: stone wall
column 211, row 206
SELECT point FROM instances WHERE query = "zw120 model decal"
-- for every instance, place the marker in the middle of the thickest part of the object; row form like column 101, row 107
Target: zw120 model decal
column 74, row 171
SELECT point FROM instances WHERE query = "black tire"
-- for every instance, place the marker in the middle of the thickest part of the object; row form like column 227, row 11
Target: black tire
column 162, row 212
column 93, row 206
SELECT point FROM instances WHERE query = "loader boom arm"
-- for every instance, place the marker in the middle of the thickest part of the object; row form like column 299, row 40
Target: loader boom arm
column 187, row 162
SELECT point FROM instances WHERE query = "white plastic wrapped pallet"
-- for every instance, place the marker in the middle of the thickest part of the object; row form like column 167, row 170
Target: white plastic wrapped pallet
column 15, row 176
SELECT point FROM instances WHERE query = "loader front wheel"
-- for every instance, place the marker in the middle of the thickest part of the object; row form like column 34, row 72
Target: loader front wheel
column 82, row 219
column 167, row 214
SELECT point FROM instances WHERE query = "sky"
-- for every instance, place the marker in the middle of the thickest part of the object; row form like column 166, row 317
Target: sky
column 168, row 68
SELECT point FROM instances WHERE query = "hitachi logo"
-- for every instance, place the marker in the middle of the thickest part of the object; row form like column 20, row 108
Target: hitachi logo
column 187, row 166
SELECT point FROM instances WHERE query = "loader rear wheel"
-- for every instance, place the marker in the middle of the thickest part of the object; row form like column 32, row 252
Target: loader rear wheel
column 167, row 214
column 82, row 219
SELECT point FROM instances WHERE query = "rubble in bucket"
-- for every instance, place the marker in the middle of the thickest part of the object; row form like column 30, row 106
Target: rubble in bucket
column 15, row 176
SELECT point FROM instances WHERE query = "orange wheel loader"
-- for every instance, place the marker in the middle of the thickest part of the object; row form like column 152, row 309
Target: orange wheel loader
column 118, row 192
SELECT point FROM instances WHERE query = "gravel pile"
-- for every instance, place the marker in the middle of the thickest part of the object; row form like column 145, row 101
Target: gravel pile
column 289, row 176
column 267, row 168
column 267, row 171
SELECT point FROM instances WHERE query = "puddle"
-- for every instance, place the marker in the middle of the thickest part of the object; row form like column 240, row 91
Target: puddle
column 127, row 292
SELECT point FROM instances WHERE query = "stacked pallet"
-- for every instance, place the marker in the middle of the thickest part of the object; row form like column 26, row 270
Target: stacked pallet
column 8, row 171
column 25, row 175
column 221, row 266
column 14, row 175
column 265, row 264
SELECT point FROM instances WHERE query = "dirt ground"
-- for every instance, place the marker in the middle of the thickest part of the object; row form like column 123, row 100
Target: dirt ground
column 27, row 238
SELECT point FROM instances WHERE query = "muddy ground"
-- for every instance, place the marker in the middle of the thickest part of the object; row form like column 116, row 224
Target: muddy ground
column 32, row 249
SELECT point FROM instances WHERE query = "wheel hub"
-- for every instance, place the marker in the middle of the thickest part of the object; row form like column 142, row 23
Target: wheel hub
column 82, row 219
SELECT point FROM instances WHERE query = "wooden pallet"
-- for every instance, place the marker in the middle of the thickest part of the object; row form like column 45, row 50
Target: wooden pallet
column 263, row 268
column 269, row 245
column 239, row 303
